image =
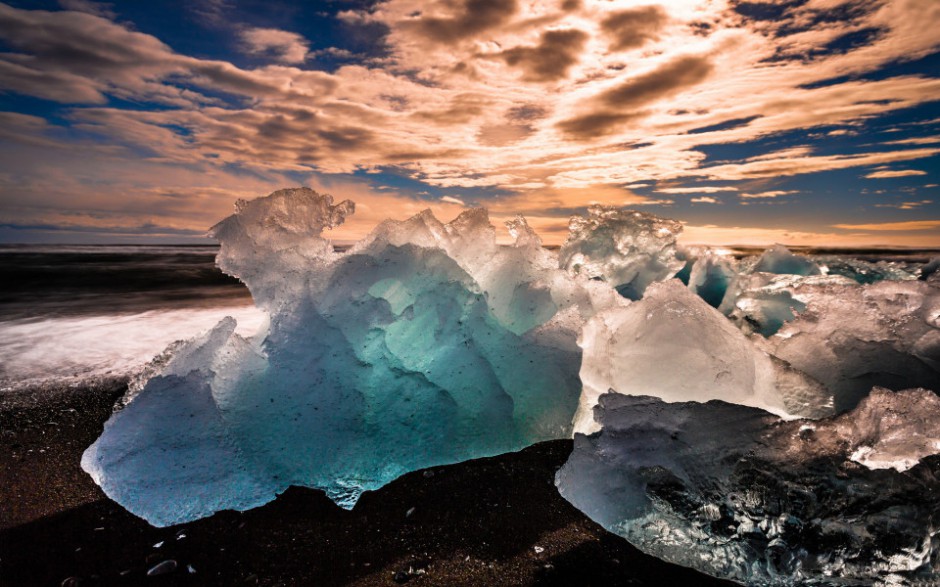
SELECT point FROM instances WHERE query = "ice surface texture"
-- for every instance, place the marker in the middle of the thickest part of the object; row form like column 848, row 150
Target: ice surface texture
column 673, row 345
column 737, row 493
column 627, row 249
column 425, row 344
column 854, row 337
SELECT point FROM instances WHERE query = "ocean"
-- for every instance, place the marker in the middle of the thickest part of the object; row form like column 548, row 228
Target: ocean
column 70, row 313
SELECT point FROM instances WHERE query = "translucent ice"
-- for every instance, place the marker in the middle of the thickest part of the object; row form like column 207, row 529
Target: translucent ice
column 862, row 271
column 673, row 345
column 428, row 343
column 737, row 493
column 764, row 302
column 759, row 298
column 854, row 337
column 710, row 276
column 425, row 344
column 625, row 248
column 774, row 288
column 778, row 259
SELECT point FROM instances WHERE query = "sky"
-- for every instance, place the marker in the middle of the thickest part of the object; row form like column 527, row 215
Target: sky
column 804, row 122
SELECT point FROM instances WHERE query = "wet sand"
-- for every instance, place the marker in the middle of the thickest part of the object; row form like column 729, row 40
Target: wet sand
column 494, row 521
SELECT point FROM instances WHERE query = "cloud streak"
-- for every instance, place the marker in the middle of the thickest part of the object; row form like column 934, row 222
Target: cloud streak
column 911, row 225
column 284, row 46
column 543, row 104
column 891, row 174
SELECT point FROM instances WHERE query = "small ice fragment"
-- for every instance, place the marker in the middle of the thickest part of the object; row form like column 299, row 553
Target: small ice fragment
column 158, row 544
column 167, row 566
column 538, row 549
column 778, row 259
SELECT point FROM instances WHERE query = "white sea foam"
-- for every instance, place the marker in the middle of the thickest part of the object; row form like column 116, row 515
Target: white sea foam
column 68, row 348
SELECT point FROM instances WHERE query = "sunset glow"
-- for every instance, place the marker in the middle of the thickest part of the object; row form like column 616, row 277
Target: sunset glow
column 808, row 122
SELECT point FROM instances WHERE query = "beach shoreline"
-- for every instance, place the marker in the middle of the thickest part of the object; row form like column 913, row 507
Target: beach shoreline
column 492, row 521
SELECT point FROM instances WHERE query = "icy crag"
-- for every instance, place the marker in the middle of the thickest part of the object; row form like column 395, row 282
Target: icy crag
column 425, row 344
column 428, row 343
column 737, row 493
column 673, row 345
column 627, row 249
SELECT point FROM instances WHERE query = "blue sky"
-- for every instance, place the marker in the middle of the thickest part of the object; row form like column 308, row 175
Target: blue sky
column 803, row 122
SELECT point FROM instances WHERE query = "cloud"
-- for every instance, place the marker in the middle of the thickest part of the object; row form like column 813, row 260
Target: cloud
column 768, row 194
column 705, row 200
column 623, row 102
column 916, row 141
column 75, row 57
column 777, row 166
column 284, row 46
column 453, row 200
column 634, row 27
column 898, row 173
column 211, row 12
column 499, row 135
column 671, row 77
column 485, row 94
column 704, row 189
column 905, row 205
column 893, row 226
column 551, row 59
column 764, row 237
column 461, row 19
column 564, row 202
column 102, row 9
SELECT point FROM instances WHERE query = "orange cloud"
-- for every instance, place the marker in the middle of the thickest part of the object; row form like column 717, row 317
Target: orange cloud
column 894, row 226
column 898, row 173
column 557, row 103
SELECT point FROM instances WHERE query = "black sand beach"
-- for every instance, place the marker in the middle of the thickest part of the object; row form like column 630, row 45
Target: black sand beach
column 495, row 521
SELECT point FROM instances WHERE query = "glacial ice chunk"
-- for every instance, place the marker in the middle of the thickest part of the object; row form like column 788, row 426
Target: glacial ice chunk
column 764, row 302
column 262, row 243
column 773, row 289
column 673, row 345
column 778, row 259
column 892, row 430
column 737, row 493
column 425, row 344
column 171, row 454
column 865, row 272
column 759, row 298
column 854, row 337
column 626, row 248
